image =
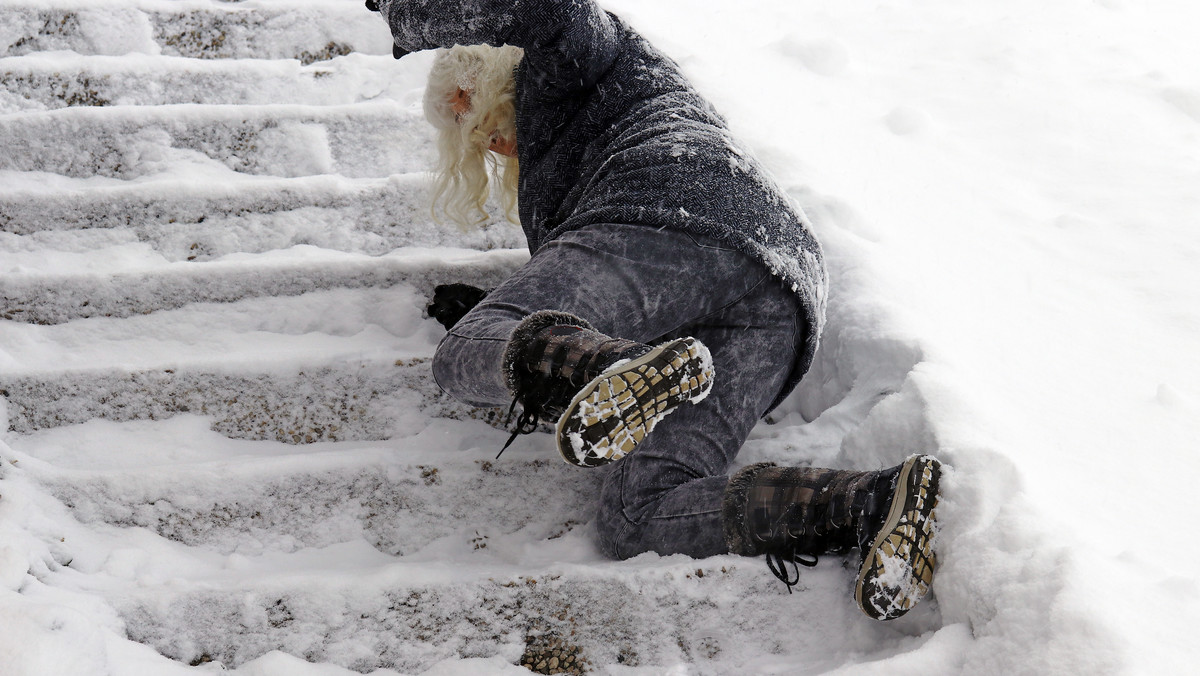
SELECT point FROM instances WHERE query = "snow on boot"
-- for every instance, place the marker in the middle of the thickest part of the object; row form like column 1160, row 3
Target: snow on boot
column 794, row 514
column 607, row 393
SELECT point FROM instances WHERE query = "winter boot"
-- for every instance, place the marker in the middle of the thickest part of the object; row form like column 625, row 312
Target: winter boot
column 607, row 393
column 793, row 514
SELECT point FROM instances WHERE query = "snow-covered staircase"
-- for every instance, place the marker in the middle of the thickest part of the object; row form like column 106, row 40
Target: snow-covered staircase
column 215, row 252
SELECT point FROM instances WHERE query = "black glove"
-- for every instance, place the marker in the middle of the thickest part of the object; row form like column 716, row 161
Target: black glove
column 452, row 301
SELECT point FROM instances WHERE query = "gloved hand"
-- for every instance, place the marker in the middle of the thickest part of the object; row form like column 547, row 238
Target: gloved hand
column 452, row 301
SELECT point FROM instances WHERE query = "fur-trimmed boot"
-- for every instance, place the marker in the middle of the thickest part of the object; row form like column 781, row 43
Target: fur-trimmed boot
column 607, row 393
column 794, row 514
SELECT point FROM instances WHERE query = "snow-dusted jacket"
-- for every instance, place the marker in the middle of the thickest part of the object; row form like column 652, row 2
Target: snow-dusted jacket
column 610, row 131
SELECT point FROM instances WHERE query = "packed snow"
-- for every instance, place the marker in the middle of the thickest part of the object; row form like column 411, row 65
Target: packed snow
column 223, row 449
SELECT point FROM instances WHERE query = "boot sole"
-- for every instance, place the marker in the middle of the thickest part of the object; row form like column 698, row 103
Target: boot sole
column 897, row 570
column 613, row 413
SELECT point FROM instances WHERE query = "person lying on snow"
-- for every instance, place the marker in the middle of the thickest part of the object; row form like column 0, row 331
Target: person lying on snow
column 674, row 295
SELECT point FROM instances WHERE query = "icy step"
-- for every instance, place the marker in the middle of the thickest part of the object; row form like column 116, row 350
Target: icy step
column 436, row 479
column 189, row 218
column 326, row 401
column 60, row 79
column 306, row 30
column 123, row 281
column 341, row 364
column 298, row 400
column 370, row 139
column 649, row 613
column 336, row 324
column 181, row 220
column 341, row 229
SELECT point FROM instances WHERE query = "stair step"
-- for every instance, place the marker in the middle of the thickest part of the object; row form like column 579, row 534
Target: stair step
column 184, row 219
column 347, row 401
column 399, row 495
column 59, row 80
column 331, row 365
column 374, row 234
column 708, row 614
column 361, row 140
column 298, row 29
column 184, row 222
column 122, row 282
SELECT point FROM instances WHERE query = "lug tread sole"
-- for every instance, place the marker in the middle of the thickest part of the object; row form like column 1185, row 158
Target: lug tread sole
column 897, row 570
column 611, row 415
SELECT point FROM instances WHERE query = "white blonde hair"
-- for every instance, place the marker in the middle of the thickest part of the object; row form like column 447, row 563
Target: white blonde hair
column 461, row 185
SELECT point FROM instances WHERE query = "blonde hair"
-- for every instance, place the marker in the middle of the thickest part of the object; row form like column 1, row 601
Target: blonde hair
column 461, row 185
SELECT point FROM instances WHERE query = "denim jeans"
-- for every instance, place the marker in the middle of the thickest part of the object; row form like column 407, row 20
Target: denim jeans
column 649, row 285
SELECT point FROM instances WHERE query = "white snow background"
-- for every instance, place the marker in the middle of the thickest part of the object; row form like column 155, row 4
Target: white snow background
column 1008, row 194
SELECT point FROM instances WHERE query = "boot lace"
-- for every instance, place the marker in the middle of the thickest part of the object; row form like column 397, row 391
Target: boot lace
column 527, row 423
column 545, row 395
column 824, row 527
column 777, row 562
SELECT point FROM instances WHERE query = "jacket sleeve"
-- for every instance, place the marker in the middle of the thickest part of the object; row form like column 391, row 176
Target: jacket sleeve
column 568, row 44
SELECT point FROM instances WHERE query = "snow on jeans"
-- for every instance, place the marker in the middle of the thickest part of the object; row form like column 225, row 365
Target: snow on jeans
column 649, row 285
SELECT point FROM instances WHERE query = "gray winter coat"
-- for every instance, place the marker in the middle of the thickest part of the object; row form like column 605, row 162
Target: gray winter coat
column 610, row 131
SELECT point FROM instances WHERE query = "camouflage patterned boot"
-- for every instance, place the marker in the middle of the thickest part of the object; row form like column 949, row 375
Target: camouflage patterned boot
column 607, row 393
column 794, row 514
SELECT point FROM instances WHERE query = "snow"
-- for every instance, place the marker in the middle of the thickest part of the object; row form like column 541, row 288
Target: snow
column 1006, row 193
